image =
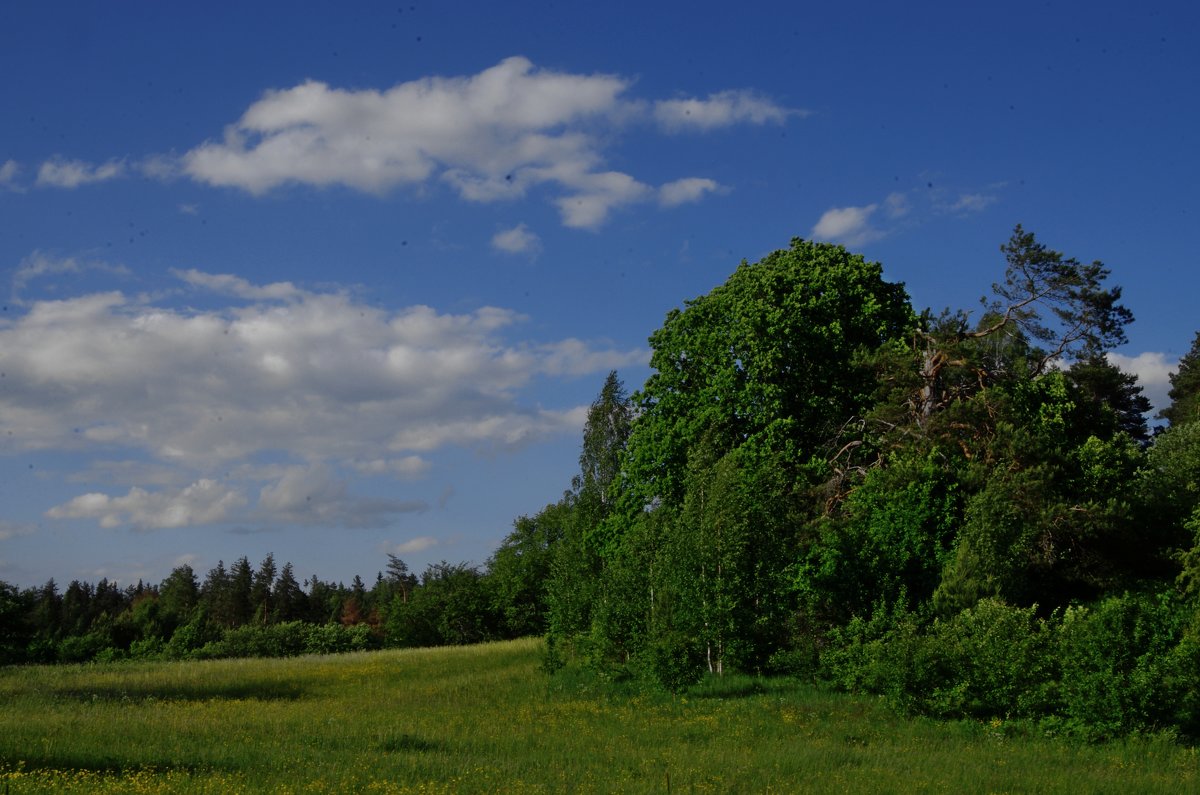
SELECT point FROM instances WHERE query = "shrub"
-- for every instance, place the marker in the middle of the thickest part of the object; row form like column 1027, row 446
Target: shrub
column 1126, row 666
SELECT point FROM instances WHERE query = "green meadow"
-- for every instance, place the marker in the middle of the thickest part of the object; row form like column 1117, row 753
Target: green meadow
column 488, row 719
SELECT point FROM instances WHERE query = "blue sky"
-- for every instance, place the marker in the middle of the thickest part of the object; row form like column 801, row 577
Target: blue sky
column 336, row 280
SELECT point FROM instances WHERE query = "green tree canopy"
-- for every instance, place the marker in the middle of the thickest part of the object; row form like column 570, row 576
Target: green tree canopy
column 766, row 359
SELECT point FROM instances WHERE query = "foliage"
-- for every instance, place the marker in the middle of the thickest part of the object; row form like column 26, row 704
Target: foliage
column 1185, row 388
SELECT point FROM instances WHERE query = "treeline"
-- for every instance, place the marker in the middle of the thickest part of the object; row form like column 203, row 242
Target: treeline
column 244, row 611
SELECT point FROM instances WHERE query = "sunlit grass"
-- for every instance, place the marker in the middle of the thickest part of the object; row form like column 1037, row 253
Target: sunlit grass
column 486, row 719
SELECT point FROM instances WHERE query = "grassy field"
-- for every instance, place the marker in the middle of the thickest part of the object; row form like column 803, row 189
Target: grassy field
column 486, row 719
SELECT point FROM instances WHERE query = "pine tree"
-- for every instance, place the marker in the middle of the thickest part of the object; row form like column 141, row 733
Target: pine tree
column 1185, row 388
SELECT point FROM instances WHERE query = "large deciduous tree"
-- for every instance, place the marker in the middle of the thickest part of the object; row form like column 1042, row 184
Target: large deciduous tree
column 754, row 385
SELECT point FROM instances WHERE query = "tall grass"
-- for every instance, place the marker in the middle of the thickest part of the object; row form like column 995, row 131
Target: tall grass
column 486, row 719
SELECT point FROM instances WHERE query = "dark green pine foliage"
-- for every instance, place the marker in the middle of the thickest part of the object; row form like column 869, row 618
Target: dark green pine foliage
column 1185, row 388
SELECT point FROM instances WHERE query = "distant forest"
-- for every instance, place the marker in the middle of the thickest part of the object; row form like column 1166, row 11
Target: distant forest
column 964, row 512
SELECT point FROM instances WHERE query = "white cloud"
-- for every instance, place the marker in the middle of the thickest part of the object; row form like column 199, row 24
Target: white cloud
column 1153, row 371
column 411, row 466
column 507, row 117
column 8, row 175
column 575, row 357
column 411, row 546
column 848, row 225
column 858, row 225
column 518, row 240
column 63, row 173
column 971, row 203
column 237, row 286
column 38, row 265
column 203, row 502
column 162, row 397
column 719, row 110
column 491, row 136
column 596, row 195
column 896, row 205
column 684, row 191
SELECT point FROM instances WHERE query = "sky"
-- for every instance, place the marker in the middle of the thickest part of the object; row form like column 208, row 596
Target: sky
column 334, row 281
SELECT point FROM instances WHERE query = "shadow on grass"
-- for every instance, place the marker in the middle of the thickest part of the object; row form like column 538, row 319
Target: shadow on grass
column 408, row 743
column 722, row 687
column 226, row 691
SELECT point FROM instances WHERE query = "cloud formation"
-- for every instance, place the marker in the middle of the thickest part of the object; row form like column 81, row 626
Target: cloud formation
column 316, row 380
column 518, row 240
column 62, row 173
column 721, row 109
column 859, row 225
column 8, row 175
column 848, row 225
column 491, row 136
column 203, row 502
column 38, row 265
column 685, row 191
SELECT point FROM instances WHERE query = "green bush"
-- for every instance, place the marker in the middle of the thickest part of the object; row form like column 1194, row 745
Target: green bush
column 993, row 660
column 675, row 661
column 1126, row 666
column 81, row 648
column 1122, row 665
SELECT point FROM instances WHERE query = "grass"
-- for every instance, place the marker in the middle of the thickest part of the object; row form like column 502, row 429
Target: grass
column 486, row 719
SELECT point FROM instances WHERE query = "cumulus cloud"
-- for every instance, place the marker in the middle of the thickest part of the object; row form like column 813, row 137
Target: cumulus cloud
column 848, row 225
column 38, row 265
column 518, row 240
column 63, row 173
column 411, row 546
column 237, row 286
column 317, row 380
column 685, row 191
column 410, row 466
column 491, row 136
column 858, row 225
column 721, row 109
column 8, row 175
column 203, row 502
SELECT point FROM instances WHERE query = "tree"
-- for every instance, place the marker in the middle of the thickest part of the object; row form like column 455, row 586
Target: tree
column 605, row 434
column 767, row 359
column 1115, row 398
column 400, row 578
column 241, row 588
column 1185, row 388
column 15, row 629
column 450, row 607
column 261, row 590
column 574, row 565
column 287, row 599
column 519, row 571
column 1047, row 308
column 1057, row 302
column 755, row 386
